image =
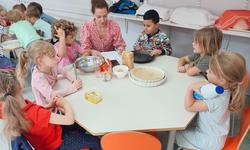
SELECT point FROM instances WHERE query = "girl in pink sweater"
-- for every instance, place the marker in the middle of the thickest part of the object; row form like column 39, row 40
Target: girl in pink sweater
column 45, row 72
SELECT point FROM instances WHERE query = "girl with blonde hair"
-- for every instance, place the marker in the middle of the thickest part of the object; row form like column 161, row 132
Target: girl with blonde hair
column 207, row 42
column 38, row 125
column 45, row 72
column 226, row 70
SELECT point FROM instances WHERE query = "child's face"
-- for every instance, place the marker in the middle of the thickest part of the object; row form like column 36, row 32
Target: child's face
column 32, row 20
column 3, row 14
column 196, row 47
column 48, row 61
column 150, row 27
column 101, row 15
column 70, row 39
column 212, row 78
column 23, row 13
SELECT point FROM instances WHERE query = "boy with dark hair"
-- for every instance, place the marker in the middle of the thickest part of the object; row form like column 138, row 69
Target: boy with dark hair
column 151, row 38
column 43, row 16
column 43, row 28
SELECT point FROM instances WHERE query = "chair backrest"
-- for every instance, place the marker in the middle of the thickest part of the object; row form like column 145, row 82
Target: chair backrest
column 245, row 80
column 244, row 127
column 20, row 143
column 129, row 141
column 1, row 111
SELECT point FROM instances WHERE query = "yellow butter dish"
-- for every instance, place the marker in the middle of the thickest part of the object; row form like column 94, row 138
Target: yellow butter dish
column 93, row 97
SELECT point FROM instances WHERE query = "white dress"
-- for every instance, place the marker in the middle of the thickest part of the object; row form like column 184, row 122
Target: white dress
column 211, row 128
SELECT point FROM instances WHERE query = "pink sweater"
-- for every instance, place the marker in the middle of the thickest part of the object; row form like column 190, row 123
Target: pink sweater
column 69, row 58
column 90, row 38
column 42, row 85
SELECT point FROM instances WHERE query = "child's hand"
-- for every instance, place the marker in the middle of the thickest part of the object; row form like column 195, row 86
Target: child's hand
column 60, row 32
column 95, row 53
column 51, row 104
column 139, row 47
column 190, row 65
column 77, row 84
column 59, row 101
column 155, row 52
column 120, row 50
column 196, row 85
column 181, row 69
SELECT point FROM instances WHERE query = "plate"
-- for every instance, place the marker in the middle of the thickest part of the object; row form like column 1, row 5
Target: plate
column 141, row 56
column 147, row 84
column 147, row 74
column 11, row 45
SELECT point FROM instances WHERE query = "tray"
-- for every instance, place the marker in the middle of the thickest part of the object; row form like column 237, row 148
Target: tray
column 147, row 74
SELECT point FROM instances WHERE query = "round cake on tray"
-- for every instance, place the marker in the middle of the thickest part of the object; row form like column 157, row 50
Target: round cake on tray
column 147, row 76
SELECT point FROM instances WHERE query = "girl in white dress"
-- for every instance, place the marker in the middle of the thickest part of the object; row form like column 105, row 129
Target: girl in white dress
column 210, row 131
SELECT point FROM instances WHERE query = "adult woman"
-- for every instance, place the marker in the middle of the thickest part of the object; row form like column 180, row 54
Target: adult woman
column 101, row 34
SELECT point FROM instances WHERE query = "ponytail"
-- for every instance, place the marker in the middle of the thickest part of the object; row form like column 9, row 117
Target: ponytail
column 15, row 122
column 221, row 65
column 22, row 67
column 237, row 97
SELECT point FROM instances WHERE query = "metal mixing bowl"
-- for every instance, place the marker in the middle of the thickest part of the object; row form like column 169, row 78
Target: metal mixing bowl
column 88, row 63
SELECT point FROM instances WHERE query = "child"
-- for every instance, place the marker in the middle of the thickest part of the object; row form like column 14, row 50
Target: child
column 44, row 16
column 207, row 42
column 67, row 47
column 3, row 20
column 21, row 8
column 152, row 39
column 23, row 30
column 45, row 72
column 42, row 27
column 38, row 125
column 226, row 70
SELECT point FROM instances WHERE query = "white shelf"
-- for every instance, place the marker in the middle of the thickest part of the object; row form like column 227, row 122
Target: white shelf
column 245, row 34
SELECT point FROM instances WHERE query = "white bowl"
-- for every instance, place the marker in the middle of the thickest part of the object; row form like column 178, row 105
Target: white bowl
column 120, row 71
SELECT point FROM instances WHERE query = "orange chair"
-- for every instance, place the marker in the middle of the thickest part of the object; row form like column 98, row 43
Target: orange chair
column 129, row 141
column 245, row 80
column 233, row 143
column 1, row 111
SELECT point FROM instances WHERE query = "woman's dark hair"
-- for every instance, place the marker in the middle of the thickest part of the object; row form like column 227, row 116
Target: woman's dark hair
column 98, row 4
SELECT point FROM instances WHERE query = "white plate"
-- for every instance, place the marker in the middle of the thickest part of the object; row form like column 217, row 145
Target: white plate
column 147, row 84
column 150, row 71
column 11, row 45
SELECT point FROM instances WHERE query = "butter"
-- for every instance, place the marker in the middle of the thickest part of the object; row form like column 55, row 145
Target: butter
column 93, row 97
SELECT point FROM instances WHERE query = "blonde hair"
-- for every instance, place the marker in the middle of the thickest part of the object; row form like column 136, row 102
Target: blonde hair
column 68, row 27
column 15, row 121
column 37, row 49
column 3, row 11
column 2, row 8
column 209, row 40
column 14, row 16
column 231, row 67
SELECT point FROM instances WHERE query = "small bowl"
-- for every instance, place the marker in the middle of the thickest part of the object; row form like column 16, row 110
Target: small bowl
column 88, row 63
column 120, row 71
